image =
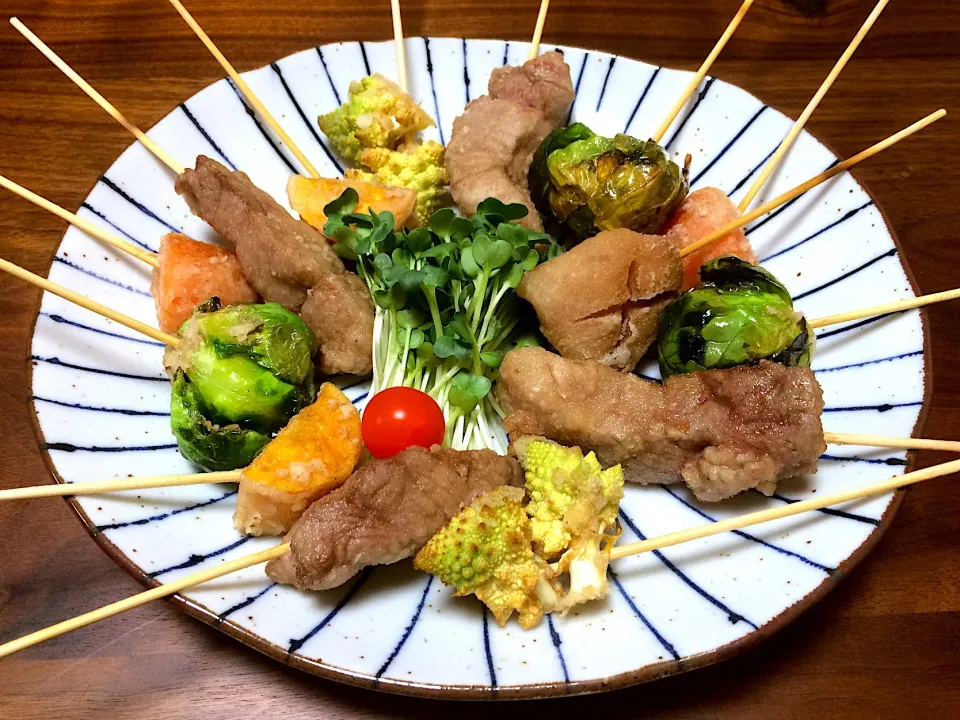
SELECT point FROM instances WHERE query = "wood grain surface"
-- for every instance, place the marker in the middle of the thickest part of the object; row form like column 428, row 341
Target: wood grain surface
column 885, row 643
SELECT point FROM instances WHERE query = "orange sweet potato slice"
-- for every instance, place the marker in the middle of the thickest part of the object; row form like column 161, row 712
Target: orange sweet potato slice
column 308, row 196
column 314, row 454
column 191, row 272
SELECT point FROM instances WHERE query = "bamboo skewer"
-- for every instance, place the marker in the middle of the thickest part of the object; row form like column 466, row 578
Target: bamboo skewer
column 538, row 29
column 158, row 152
column 398, row 41
column 702, row 72
column 245, row 89
column 618, row 552
column 91, row 305
column 907, row 443
column 770, row 205
column 885, row 308
column 104, row 486
column 85, row 225
column 736, row 523
column 798, row 126
column 139, row 599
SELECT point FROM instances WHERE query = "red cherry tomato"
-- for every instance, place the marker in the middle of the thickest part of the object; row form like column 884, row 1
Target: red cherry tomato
column 398, row 418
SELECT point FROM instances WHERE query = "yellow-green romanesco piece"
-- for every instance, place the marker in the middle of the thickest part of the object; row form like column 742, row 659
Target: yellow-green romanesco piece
column 419, row 168
column 571, row 495
column 486, row 551
column 377, row 114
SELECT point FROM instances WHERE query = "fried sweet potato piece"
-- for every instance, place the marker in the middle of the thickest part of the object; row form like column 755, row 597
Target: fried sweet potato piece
column 314, row 454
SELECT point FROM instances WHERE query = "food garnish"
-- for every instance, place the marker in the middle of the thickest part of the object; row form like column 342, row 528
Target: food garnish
column 400, row 417
column 446, row 307
column 739, row 314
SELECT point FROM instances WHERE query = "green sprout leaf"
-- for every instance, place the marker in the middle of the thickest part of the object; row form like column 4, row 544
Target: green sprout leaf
column 343, row 205
column 468, row 390
column 447, row 347
column 498, row 212
column 492, row 359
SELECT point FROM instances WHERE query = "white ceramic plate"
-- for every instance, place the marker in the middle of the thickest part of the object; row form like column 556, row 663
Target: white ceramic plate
column 102, row 400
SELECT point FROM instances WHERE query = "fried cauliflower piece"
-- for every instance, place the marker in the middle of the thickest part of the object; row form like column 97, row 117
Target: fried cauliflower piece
column 486, row 551
column 416, row 167
column 377, row 114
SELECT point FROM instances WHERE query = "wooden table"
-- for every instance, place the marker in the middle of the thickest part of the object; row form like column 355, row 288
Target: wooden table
column 885, row 642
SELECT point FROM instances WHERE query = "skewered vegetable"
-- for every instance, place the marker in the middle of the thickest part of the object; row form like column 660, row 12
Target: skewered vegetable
column 308, row 196
column 573, row 502
column 701, row 213
column 739, row 314
column 588, row 183
column 417, row 167
column 500, row 550
column 239, row 374
column 312, row 455
column 377, row 114
column 446, row 307
column 190, row 273
column 486, row 551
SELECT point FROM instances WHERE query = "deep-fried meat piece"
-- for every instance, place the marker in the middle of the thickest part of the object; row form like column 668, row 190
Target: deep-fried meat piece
column 284, row 259
column 386, row 511
column 493, row 142
column 601, row 300
column 336, row 310
column 719, row 431
column 490, row 152
column 543, row 84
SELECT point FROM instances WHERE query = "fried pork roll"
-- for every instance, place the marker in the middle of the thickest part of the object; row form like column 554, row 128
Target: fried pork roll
column 386, row 511
column 493, row 142
column 287, row 262
column 719, row 431
column 601, row 300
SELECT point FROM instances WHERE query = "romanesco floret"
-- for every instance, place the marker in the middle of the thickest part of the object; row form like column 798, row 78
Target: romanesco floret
column 417, row 167
column 486, row 550
column 571, row 496
column 378, row 114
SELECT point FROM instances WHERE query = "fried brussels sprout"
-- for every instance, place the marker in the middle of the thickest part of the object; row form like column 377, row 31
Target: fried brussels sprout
column 239, row 374
column 739, row 314
column 590, row 183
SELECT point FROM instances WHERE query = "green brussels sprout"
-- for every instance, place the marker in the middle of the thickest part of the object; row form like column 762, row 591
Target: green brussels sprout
column 738, row 314
column 239, row 374
column 212, row 447
column 590, row 183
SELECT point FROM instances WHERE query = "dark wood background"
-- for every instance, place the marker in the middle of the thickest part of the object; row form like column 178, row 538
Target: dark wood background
column 886, row 642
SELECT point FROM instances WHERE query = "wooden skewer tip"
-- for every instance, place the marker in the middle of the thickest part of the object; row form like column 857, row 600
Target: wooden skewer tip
column 814, row 103
column 799, row 190
column 538, row 29
column 92, row 93
column 107, row 486
column 88, row 304
column 82, row 224
column 129, row 603
column 701, row 73
column 245, row 88
column 777, row 513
